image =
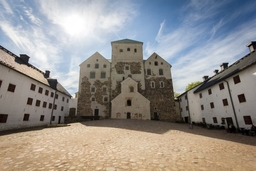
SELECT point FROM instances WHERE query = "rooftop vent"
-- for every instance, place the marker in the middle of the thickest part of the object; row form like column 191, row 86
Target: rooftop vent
column 216, row 71
column 224, row 66
column 205, row 77
column 25, row 58
column 252, row 46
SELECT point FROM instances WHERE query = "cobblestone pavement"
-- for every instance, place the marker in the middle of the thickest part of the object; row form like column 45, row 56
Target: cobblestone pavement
column 115, row 145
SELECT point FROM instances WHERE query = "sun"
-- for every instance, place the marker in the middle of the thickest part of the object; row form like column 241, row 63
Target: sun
column 74, row 25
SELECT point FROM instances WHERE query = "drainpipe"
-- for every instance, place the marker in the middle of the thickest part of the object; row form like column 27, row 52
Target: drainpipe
column 233, row 107
column 53, row 104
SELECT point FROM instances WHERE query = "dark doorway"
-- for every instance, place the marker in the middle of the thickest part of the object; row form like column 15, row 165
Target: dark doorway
column 229, row 121
column 156, row 116
column 96, row 112
column 186, row 119
column 59, row 120
column 128, row 115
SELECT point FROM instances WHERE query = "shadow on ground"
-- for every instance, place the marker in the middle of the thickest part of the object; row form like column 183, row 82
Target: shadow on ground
column 160, row 127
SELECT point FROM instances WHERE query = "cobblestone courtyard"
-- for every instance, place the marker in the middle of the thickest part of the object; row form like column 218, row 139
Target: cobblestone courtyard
column 111, row 145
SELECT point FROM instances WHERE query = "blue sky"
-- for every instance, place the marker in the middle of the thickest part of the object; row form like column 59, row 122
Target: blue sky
column 194, row 36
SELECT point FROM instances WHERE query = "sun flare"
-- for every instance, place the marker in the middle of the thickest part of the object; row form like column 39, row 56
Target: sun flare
column 74, row 25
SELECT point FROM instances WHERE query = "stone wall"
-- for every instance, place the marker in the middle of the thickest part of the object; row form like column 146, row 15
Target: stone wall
column 161, row 99
column 84, row 101
column 135, row 67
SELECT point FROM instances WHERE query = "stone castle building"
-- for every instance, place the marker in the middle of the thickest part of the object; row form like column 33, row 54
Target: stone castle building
column 126, row 87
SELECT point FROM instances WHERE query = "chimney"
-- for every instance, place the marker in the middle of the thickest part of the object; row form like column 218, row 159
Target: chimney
column 251, row 46
column 205, row 77
column 223, row 66
column 25, row 58
column 47, row 74
column 216, row 71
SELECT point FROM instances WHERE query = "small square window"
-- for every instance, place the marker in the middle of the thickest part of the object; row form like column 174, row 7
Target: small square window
column 3, row 118
column 105, row 99
column 88, row 65
column 225, row 102
column 92, row 74
column 149, row 63
column 215, row 120
column 46, row 92
column 128, row 49
column 11, row 87
column 236, row 79
column 103, row 75
column 38, row 103
column 50, row 105
column 131, row 89
column 104, row 89
column 104, row 66
column 247, row 120
column 129, row 103
column 221, row 86
column 96, row 66
column 212, row 105
column 202, row 107
column 241, row 98
column 26, row 117
column 42, row 118
column 126, row 67
column 135, row 50
column 33, row 87
column 29, row 101
column 209, row 91
column 200, row 95
column 120, row 50
column 93, row 99
column 92, row 89
column 40, row 90
column 52, row 94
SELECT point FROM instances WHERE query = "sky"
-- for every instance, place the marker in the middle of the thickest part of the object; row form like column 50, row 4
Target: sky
column 194, row 36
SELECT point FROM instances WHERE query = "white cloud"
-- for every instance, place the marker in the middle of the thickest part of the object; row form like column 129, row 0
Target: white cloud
column 6, row 6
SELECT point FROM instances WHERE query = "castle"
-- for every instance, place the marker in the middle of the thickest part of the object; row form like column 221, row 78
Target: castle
column 126, row 87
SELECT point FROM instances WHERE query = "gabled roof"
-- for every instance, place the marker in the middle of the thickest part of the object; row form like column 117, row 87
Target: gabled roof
column 126, row 41
column 14, row 62
column 238, row 66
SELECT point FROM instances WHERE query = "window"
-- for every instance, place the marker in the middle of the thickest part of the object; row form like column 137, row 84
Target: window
column 181, row 109
column 128, row 49
column 202, row 107
column 40, row 90
column 105, row 99
column 44, row 104
column 135, row 50
column 26, row 117
column 88, row 65
column 55, row 107
column 3, row 118
column 161, row 84
column 56, row 96
column 46, row 92
column 103, row 75
column 221, row 85
column 225, row 102
column 203, row 119
column 104, row 66
column 92, row 89
column 152, row 84
column 186, row 97
column 11, row 87
column 212, row 105
column 67, row 100
column 209, row 91
column 223, row 121
column 186, row 107
column 149, row 63
column 38, row 103
column 53, row 118
column 148, row 71
column 96, row 66
column 214, row 120
column 161, row 72
column 236, row 79
column 156, row 63
column 131, row 89
column 248, row 120
column 162, row 63
column 33, row 87
column 104, row 89
column 42, row 118
column 29, row 101
column 63, row 99
column 52, row 94
column 120, row 50
column 93, row 99
column 200, row 95
column 0, row 83
column 126, row 67
column 62, row 108
column 50, row 105
column 92, row 74
column 129, row 103
column 241, row 98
